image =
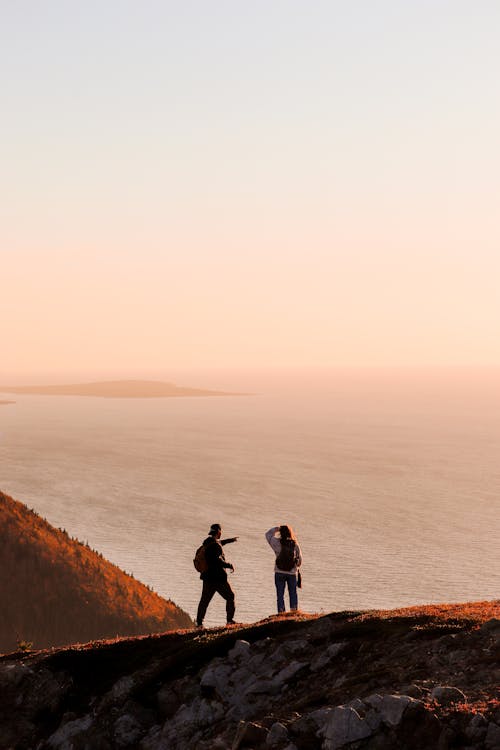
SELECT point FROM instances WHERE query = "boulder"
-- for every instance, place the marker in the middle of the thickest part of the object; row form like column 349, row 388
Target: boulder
column 445, row 695
column 291, row 670
column 63, row 738
column 127, row 731
column 343, row 726
column 476, row 730
column 278, row 735
column 334, row 649
column 240, row 650
column 392, row 708
column 249, row 733
column 168, row 701
column 492, row 739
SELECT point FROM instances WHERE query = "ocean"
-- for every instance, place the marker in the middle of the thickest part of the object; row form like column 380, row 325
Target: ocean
column 390, row 478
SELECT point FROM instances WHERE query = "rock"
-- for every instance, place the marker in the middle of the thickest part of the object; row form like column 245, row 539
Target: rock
column 445, row 695
column 414, row 691
column 297, row 646
column 392, row 708
column 208, row 678
column 446, row 738
column 14, row 674
column 122, row 687
column 256, row 662
column 492, row 739
column 127, row 731
column 278, row 735
column 344, row 725
column 476, row 730
column 19, row 734
column 418, row 729
column 210, row 712
column 320, row 662
column 304, row 730
column 267, row 687
column 249, row 733
column 490, row 625
column 168, row 701
column 62, row 738
column 324, row 658
column 375, row 700
column 240, row 650
column 290, row 671
column 46, row 692
column 445, row 643
column 320, row 716
column 335, row 649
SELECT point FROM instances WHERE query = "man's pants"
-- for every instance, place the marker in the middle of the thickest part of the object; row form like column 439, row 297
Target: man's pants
column 223, row 588
column 286, row 579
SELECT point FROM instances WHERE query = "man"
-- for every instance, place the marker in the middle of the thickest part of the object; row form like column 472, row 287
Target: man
column 215, row 577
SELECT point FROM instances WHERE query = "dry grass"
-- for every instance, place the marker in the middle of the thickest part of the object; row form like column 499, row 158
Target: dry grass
column 469, row 611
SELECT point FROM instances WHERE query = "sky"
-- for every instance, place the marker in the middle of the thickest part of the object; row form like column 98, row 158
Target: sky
column 248, row 184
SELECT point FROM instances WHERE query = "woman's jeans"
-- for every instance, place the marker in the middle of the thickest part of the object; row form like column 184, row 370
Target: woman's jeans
column 286, row 579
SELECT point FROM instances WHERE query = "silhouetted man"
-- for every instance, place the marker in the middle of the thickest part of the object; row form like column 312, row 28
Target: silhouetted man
column 215, row 577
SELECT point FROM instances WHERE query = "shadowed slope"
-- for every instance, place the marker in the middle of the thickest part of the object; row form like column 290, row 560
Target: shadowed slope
column 429, row 672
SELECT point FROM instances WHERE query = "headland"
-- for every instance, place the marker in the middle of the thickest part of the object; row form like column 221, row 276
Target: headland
column 117, row 389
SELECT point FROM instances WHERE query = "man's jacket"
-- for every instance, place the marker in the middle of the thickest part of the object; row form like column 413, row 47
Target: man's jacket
column 216, row 561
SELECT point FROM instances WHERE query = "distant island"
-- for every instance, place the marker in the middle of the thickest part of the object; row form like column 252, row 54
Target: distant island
column 116, row 389
column 4, row 403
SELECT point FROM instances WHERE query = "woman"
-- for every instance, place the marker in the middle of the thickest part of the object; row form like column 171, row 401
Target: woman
column 288, row 561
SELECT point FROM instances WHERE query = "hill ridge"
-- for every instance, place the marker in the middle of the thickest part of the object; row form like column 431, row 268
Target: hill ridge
column 413, row 678
column 57, row 590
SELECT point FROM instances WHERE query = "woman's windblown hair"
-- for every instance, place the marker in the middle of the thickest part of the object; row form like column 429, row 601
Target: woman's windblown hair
column 286, row 532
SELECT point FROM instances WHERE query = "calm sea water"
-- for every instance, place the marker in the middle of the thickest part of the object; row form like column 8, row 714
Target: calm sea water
column 391, row 481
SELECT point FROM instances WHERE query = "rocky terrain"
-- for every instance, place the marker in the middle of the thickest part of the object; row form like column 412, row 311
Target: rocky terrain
column 413, row 679
column 55, row 590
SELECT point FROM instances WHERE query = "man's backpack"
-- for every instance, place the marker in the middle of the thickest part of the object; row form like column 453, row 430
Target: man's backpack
column 200, row 560
column 288, row 556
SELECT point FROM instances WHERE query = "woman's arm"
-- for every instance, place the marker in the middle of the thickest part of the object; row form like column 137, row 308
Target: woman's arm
column 272, row 539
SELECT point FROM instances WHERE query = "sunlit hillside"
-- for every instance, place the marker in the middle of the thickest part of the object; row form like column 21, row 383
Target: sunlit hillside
column 56, row 590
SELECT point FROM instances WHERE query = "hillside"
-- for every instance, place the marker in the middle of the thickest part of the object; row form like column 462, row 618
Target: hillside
column 413, row 679
column 55, row 590
column 116, row 389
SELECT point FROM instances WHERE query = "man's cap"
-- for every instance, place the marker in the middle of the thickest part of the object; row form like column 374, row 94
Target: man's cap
column 214, row 528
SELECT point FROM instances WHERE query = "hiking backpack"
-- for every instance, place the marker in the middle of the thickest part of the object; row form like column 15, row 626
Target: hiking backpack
column 287, row 557
column 200, row 560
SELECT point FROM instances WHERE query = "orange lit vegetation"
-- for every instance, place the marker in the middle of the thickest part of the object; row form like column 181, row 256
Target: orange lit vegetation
column 467, row 612
column 56, row 590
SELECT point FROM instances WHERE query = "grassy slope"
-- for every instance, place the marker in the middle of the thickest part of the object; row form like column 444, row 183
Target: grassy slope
column 56, row 590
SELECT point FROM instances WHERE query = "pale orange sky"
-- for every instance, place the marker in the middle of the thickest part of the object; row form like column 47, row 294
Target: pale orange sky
column 249, row 188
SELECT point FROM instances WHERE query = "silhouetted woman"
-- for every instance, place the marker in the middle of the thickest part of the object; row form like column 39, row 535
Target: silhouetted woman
column 288, row 561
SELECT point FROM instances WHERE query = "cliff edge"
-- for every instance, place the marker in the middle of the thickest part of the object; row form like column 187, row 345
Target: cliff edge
column 412, row 679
